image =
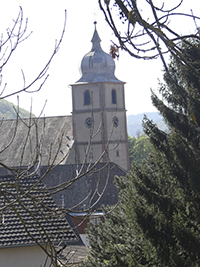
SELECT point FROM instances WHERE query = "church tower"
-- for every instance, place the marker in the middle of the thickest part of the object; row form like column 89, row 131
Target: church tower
column 99, row 114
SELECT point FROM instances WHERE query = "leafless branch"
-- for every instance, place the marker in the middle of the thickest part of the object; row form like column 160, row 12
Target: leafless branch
column 152, row 37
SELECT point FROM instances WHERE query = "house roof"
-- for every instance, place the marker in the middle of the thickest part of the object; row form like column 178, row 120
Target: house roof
column 31, row 217
column 50, row 136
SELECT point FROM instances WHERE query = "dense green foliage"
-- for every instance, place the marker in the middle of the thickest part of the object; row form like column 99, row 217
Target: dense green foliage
column 9, row 111
column 157, row 220
column 139, row 148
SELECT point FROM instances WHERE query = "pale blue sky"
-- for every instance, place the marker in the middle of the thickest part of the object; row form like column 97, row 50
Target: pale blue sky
column 46, row 20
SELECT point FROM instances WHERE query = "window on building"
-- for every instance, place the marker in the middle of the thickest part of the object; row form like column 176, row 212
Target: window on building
column 87, row 97
column 114, row 96
column 117, row 153
column 91, row 153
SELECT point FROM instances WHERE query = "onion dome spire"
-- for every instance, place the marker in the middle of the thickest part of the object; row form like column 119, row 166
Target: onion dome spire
column 97, row 66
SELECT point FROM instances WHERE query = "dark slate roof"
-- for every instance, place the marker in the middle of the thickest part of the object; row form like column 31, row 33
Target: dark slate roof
column 89, row 187
column 35, row 213
column 50, row 131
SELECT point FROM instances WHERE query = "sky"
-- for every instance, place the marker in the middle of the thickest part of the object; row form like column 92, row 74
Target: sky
column 46, row 21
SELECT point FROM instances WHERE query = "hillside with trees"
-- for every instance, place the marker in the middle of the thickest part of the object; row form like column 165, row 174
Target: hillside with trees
column 9, row 111
column 139, row 148
column 134, row 122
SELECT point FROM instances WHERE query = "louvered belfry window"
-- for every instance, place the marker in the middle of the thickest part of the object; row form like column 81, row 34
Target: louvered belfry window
column 87, row 97
column 114, row 96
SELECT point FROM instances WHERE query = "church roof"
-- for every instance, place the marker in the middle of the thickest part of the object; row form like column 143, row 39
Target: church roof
column 93, row 189
column 47, row 136
column 97, row 66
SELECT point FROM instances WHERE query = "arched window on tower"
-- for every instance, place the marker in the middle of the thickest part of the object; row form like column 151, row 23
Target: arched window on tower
column 114, row 96
column 87, row 97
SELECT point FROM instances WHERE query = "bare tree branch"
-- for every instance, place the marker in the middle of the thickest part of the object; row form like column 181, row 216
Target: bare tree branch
column 152, row 37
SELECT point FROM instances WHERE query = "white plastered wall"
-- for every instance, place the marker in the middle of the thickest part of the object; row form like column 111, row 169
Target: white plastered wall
column 30, row 256
column 102, row 110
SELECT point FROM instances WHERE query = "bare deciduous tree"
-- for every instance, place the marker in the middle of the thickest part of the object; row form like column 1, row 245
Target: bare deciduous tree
column 22, row 191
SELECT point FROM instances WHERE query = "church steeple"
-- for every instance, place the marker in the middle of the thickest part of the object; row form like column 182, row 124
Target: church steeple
column 97, row 66
column 96, row 40
column 99, row 113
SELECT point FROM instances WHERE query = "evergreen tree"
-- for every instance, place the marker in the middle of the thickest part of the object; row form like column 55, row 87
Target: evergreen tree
column 157, row 220
column 139, row 148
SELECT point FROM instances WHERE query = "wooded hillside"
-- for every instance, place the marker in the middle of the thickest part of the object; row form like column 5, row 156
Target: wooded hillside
column 8, row 110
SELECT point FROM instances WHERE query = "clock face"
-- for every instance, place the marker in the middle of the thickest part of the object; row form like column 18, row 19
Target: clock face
column 115, row 121
column 88, row 122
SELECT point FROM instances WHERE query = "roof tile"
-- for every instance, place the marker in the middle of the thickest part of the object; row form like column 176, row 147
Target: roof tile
column 33, row 216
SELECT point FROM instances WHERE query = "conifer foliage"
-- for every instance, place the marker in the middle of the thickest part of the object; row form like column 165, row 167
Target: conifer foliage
column 157, row 219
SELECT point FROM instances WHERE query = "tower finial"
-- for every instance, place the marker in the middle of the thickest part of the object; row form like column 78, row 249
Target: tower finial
column 95, row 23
